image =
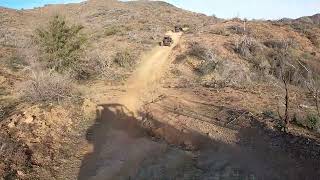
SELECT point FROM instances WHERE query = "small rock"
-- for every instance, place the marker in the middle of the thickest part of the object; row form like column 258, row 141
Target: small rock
column 20, row 174
column 29, row 119
column 2, row 79
column 11, row 124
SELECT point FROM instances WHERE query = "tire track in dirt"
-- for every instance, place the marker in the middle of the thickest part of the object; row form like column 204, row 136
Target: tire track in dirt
column 145, row 78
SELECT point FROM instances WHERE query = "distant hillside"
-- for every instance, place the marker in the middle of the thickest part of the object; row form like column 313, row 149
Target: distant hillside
column 315, row 19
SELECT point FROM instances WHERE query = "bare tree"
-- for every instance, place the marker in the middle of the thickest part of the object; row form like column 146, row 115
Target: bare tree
column 285, row 78
column 286, row 73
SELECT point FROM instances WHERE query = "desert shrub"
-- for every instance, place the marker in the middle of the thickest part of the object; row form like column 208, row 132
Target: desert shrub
column 207, row 57
column 269, row 114
column 206, row 67
column 176, row 72
column 313, row 121
column 307, row 55
column 261, row 65
column 60, row 44
column 279, row 125
column 180, row 58
column 286, row 62
column 220, row 31
column 246, row 46
column 298, row 120
column 300, row 27
column 286, row 65
column 278, row 43
column 201, row 52
column 124, row 58
column 231, row 73
column 197, row 50
column 315, row 40
column 236, row 29
column 110, row 31
column 15, row 63
column 47, row 87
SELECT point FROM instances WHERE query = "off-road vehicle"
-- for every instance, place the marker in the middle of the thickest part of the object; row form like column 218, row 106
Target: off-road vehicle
column 167, row 41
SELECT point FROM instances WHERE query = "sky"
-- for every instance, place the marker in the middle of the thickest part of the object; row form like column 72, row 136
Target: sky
column 28, row 4
column 251, row 9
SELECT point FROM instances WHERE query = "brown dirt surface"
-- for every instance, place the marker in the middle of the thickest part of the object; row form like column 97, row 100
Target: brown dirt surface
column 164, row 117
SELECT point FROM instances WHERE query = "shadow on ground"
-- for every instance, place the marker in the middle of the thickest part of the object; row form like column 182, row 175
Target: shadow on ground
column 128, row 148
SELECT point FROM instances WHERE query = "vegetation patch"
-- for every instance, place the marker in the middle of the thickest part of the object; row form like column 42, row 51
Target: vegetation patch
column 200, row 52
column 269, row 114
column 110, row 31
column 246, row 46
column 313, row 121
column 124, row 59
column 16, row 63
column 48, row 87
column 60, row 44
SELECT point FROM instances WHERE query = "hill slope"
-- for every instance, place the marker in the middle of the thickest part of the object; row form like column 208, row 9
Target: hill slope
column 214, row 110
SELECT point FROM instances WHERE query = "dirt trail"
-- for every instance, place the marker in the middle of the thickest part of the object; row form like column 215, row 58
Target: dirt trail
column 148, row 73
column 186, row 135
column 120, row 145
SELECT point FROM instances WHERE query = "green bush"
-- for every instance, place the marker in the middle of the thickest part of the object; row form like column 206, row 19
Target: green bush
column 313, row 121
column 269, row 114
column 60, row 44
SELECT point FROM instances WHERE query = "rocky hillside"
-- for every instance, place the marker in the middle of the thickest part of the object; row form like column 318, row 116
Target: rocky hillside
column 229, row 82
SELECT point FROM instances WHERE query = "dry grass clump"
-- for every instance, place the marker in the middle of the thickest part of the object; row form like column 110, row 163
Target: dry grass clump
column 277, row 44
column 95, row 65
column 47, row 87
column 16, row 63
column 200, row 52
column 110, row 31
column 180, row 59
column 314, row 38
column 205, row 55
column 124, row 59
column 220, row 31
column 236, row 29
column 246, row 46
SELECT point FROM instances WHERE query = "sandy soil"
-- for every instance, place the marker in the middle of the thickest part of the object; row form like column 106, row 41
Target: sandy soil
column 146, row 78
column 120, row 145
